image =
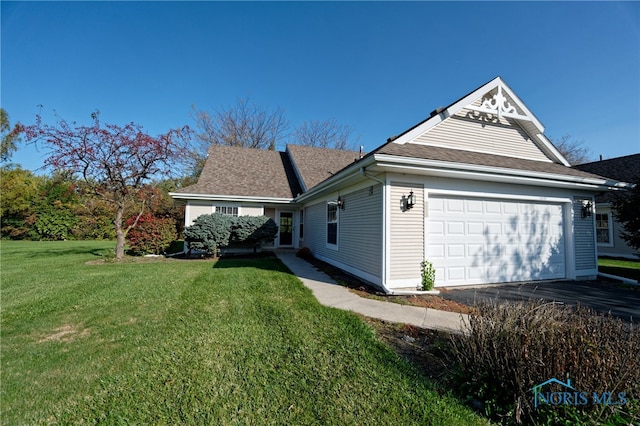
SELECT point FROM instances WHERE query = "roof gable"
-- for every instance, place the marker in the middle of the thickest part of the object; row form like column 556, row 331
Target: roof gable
column 314, row 165
column 246, row 172
column 491, row 119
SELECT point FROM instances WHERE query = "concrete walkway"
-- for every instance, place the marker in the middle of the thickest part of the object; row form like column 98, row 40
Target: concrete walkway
column 329, row 293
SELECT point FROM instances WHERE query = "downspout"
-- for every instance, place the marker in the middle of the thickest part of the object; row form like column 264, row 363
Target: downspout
column 363, row 171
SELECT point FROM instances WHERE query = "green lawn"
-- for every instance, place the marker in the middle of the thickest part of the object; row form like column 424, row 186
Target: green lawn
column 191, row 342
column 620, row 267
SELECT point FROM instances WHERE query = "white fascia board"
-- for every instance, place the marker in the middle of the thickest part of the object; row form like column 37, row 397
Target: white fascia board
column 547, row 143
column 213, row 197
column 497, row 174
column 521, row 104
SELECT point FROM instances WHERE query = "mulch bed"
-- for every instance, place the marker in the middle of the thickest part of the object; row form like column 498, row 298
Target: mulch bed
column 363, row 289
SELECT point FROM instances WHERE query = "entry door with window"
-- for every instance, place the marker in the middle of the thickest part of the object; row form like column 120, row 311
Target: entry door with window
column 286, row 228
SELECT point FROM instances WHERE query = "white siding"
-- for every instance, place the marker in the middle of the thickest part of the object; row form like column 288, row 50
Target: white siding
column 584, row 237
column 195, row 210
column 466, row 131
column 406, row 237
column 251, row 211
column 360, row 231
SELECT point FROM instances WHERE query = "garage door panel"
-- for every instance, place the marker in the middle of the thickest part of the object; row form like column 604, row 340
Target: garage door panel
column 483, row 241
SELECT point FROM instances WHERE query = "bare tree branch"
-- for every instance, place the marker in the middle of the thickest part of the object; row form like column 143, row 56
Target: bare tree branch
column 572, row 150
column 324, row 134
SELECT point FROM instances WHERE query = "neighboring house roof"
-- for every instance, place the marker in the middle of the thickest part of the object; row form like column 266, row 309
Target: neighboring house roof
column 246, row 172
column 314, row 165
column 624, row 169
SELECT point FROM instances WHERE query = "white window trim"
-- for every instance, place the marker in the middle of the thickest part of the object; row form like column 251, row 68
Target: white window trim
column 610, row 229
column 237, row 210
column 326, row 228
column 301, row 216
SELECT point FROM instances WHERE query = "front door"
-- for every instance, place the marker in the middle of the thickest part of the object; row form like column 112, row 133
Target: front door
column 286, row 228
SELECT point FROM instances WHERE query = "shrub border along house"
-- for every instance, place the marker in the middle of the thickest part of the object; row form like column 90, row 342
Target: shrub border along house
column 213, row 232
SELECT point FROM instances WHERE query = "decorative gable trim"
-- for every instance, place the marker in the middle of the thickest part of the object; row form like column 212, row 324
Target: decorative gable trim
column 499, row 105
column 496, row 99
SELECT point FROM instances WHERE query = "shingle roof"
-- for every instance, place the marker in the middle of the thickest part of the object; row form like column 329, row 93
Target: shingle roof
column 249, row 172
column 624, row 169
column 477, row 158
column 318, row 164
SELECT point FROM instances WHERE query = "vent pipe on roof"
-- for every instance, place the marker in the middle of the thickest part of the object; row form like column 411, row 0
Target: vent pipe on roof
column 361, row 150
column 437, row 111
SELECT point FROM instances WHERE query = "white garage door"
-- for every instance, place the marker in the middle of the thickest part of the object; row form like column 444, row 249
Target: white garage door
column 477, row 241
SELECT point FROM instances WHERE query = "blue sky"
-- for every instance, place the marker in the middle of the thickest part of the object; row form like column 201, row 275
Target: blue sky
column 380, row 67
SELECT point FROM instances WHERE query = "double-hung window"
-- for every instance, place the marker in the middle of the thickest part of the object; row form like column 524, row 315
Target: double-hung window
column 332, row 223
column 603, row 231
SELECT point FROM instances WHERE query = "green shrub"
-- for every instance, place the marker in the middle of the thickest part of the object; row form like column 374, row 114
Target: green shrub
column 208, row 233
column 428, row 275
column 304, row 253
column 53, row 224
column 211, row 232
column 253, row 229
column 151, row 235
column 508, row 349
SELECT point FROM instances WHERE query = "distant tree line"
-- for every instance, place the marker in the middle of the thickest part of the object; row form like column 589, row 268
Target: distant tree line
column 60, row 206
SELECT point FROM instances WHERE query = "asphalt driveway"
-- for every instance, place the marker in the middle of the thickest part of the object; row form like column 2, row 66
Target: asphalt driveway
column 603, row 296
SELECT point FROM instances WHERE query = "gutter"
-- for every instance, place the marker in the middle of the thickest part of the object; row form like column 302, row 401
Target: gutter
column 363, row 172
column 209, row 197
column 509, row 175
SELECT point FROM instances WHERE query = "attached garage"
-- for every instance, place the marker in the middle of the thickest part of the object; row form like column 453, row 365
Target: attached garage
column 480, row 240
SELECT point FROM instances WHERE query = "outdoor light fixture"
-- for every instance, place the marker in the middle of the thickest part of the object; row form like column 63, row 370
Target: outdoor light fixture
column 340, row 203
column 408, row 202
column 587, row 208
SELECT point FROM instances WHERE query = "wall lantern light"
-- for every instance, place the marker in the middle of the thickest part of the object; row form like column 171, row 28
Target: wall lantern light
column 408, row 202
column 587, row 208
column 340, row 203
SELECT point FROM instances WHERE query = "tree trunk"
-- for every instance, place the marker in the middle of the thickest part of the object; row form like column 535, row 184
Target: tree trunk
column 120, row 234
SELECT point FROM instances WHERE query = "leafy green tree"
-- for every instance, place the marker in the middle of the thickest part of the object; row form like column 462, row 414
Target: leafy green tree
column 95, row 217
column 9, row 137
column 54, row 207
column 19, row 189
column 626, row 209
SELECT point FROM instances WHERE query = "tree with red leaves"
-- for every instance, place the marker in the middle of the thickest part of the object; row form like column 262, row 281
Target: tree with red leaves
column 115, row 161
